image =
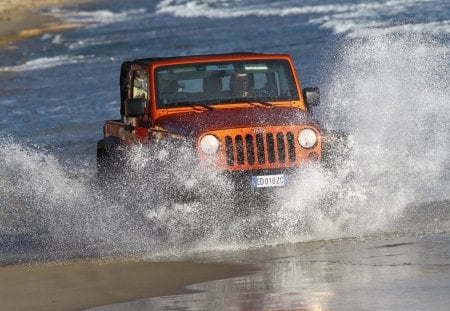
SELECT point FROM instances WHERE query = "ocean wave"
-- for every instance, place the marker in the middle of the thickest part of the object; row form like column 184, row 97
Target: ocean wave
column 390, row 17
column 47, row 62
column 223, row 9
column 85, row 42
column 435, row 28
column 229, row 9
column 94, row 18
column 340, row 18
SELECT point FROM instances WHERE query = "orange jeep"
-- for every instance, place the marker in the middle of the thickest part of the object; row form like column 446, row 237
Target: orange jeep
column 245, row 113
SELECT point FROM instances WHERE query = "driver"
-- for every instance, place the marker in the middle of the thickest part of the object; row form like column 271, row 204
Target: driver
column 241, row 84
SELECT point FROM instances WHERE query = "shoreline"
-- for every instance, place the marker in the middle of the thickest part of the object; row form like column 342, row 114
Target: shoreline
column 83, row 284
column 20, row 21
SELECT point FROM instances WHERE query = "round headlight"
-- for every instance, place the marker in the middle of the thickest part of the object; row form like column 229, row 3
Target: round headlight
column 209, row 144
column 307, row 138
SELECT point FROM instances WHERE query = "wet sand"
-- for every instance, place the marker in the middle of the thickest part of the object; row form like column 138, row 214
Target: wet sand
column 83, row 284
column 21, row 20
column 407, row 268
column 381, row 272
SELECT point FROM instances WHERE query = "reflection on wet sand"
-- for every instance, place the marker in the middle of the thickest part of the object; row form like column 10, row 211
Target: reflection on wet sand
column 384, row 272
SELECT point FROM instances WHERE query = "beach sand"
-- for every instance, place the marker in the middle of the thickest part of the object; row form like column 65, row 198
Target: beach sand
column 21, row 20
column 82, row 284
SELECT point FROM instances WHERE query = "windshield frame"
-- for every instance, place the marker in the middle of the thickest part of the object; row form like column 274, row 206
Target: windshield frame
column 276, row 72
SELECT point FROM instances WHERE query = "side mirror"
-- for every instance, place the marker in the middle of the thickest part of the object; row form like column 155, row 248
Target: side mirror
column 135, row 107
column 311, row 96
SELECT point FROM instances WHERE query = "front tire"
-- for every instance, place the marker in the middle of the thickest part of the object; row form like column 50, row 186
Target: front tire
column 109, row 158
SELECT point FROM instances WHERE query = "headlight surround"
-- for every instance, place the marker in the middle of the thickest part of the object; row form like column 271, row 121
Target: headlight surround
column 307, row 138
column 209, row 144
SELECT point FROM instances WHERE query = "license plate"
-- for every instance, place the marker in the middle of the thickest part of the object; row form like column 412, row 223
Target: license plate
column 266, row 181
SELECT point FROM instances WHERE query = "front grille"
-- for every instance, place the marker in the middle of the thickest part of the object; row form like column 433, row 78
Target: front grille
column 253, row 149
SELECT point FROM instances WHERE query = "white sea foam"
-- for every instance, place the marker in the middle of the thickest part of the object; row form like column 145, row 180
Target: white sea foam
column 224, row 9
column 48, row 62
column 228, row 9
column 339, row 17
column 429, row 28
column 89, row 19
column 99, row 17
column 384, row 19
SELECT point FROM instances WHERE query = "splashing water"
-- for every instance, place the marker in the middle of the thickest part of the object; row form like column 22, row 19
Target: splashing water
column 391, row 94
column 388, row 92
column 63, row 212
column 158, row 204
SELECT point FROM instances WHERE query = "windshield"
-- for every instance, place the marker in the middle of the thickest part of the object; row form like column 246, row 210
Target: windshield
column 225, row 82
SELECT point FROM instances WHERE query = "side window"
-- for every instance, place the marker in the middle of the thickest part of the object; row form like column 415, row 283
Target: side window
column 140, row 84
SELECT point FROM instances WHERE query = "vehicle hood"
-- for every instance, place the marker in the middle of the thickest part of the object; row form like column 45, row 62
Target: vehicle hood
column 195, row 123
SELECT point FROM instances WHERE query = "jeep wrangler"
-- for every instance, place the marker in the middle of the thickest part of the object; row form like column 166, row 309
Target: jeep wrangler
column 245, row 113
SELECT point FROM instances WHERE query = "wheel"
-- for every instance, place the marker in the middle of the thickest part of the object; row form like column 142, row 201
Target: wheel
column 109, row 158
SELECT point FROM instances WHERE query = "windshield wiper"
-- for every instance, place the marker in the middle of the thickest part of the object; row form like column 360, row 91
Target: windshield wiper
column 253, row 101
column 193, row 104
column 267, row 104
column 206, row 106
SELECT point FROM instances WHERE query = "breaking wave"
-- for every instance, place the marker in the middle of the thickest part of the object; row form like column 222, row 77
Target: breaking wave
column 94, row 18
column 355, row 19
column 88, row 19
column 48, row 62
column 227, row 9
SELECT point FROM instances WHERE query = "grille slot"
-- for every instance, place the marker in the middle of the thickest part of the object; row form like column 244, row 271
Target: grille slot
column 250, row 149
column 229, row 150
column 239, row 149
column 280, row 148
column 260, row 149
column 291, row 146
column 270, row 148
column 257, row 149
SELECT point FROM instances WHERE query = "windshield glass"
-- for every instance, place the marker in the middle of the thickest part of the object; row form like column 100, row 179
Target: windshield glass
column 224, row 82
